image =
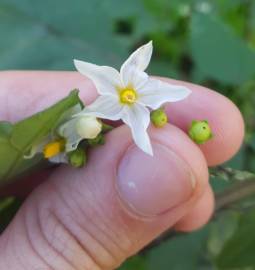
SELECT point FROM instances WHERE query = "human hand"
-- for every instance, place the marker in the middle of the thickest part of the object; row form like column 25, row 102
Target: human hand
column 96, row 217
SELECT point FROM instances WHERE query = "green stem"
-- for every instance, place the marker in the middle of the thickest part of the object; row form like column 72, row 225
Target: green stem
column 234, row 194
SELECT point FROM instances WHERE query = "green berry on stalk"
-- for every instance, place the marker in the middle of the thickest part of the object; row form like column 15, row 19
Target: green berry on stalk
column 77, row 158
column 159, row 118
column 200, row 131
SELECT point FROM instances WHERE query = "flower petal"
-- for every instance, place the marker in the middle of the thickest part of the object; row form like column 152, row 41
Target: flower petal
column 131, row 71
column 106, row 107
column 37, row 148
column 34, row 150
column 155, row 93
column 106, row 79
column 61, row 158
column 137, row 117
column 135, row 78
column 68, row 131
column 140, row 58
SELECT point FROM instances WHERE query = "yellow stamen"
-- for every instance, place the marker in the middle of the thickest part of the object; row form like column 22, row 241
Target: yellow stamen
column 54, row 148
column 128, row 96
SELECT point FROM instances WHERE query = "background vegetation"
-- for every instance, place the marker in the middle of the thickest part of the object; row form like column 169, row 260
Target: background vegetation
column 206, row 42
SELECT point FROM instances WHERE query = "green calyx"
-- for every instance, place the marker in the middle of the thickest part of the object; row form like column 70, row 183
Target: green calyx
column 106, row 128
column 77, row 158
column 159, row 118
column 99, row 140
column 200, row 131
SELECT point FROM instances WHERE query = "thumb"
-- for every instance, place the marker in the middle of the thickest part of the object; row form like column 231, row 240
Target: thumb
column 96, row 217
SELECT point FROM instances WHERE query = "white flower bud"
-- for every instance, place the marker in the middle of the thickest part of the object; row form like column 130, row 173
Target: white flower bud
column 88, row 127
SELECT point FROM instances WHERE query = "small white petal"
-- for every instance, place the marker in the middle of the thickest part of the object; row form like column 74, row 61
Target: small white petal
column 155, row 93
column 61, row 158
column 68, row 114
column 131, row 71
column 34, row 150
column 68, row 131
column 106, row 107
column 140, row 58
column 74, row 110
column 38, row 148
column 135, row 78
column 106, row 79
column 137, row 117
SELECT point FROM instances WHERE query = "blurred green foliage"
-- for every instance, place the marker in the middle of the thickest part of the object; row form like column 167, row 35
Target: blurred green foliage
column 206, row 42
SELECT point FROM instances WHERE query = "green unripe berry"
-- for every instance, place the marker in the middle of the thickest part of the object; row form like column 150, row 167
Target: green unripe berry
column 77, row 158
column 159, row 118
column 99, row 140
column 200, row 131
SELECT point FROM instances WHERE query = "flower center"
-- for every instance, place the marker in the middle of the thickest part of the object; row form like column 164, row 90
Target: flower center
column 52, row 149
column 128, row 96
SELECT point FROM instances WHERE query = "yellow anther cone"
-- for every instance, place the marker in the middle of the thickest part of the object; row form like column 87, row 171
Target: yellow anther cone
column 53, row 148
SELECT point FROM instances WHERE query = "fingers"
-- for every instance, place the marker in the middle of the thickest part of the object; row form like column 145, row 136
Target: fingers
column 96, row 217
column 200, row 214
column 25, row 93
column 223, row 116
column 37, row 90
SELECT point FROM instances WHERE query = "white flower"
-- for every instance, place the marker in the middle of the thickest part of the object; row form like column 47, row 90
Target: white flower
column 52, row 149
column 67, row 137
column 79, row 128
column 127, row 94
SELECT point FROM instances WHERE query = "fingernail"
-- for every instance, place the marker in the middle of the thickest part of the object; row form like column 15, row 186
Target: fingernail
column 151, row 186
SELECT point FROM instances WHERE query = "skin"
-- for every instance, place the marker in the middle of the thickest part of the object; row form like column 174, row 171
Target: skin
column 74, row 219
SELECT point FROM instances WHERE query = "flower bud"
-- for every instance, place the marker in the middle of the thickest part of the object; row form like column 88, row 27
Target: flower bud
column 77, row 158
column 99, row 140
column 200, row 131
column 88, row 127
column 159, row 118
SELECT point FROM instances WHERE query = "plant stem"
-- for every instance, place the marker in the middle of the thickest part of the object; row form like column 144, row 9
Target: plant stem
column 234, row 194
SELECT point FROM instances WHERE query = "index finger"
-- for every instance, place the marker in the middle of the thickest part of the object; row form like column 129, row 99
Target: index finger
column 24, row 93
column 223, row 116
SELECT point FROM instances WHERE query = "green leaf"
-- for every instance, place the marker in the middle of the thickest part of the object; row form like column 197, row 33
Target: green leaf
column 134, row 263
column 222, row 229
column 5, row 130
column 38, row 37
column 218, row 52
column 16, row 140
column 239, row 249
column 171, row 254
